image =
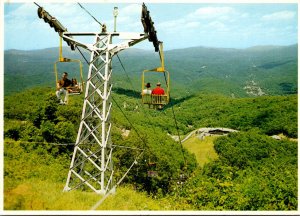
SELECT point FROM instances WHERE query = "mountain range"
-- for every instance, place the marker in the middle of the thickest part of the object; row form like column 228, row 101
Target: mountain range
column 255, row 71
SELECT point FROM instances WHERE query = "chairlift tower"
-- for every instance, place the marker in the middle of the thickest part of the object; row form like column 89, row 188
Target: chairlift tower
column 92, row 164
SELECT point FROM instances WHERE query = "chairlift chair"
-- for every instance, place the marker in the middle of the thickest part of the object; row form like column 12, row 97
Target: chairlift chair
column 77, row 86
column 152, row 99
column 157, row 101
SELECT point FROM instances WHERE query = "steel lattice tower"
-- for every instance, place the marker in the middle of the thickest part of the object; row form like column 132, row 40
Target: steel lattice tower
column 91, row 163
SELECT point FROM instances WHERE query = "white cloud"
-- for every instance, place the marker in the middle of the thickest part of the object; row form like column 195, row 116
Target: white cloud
column 282, row 15
column 209, row 18
column 245, row 15
column 131, row 9
column 172, row 24
column 129, row 14
column 211, row 13
column 20, row 20
column 21, row 13
column 218, row 26
column 128, row 18
column 64, row 10
column 68, row 14
column 21, row 10
column 72, row 17
column 193, row 25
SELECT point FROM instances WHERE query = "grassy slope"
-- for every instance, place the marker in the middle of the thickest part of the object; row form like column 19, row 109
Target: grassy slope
column 26, row 190
column 35, row 194
column 203, row 149
column 34, row 180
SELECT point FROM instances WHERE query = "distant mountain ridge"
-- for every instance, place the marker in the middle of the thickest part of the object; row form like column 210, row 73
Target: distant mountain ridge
column 254, row 71
column 229, row 71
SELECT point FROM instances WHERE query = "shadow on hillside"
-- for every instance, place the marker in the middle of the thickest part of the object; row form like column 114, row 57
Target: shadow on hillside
column 174, row 102
column 271, row 65
column 127, row 92
column 137, row 95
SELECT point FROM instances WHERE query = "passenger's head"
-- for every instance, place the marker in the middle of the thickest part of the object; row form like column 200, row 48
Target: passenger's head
column 158, row 84
column 65, row 74
column 148, row 85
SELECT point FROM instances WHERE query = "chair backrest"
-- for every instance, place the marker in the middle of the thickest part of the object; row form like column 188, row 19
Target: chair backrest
column 147, row 99
column 159, row 99
column 155, row 99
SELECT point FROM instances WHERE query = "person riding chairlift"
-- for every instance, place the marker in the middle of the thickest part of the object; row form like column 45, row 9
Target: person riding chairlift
column 62, row 88
column 147, row 90
column 75, row 86
column 146, row 94
column 156, row 92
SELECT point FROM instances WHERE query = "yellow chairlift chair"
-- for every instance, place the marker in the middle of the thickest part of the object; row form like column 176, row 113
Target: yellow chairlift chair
column 77, row 87
column 157, row 101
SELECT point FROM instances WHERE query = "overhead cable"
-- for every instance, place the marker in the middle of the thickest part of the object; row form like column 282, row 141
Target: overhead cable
column 35, row 142
column 177, row 128
column 143, row 141
column 89, row 14
column 36, row 4
column 129, row 80
column 117, row 184
column 83, row 56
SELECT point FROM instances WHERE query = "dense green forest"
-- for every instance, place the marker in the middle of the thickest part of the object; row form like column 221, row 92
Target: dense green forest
column 270, row 70
column 252, row 171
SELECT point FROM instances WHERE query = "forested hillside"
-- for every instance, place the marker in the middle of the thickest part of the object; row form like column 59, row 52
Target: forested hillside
column 253, row 91
column 252, row 171
column 254, row 71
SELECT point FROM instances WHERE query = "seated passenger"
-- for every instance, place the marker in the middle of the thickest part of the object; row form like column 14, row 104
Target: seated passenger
column 158, row 90
column 147, row 90
column 146, row 94
column 62, row 88
column 74, row 82
column 157, row 99
column 75, row 87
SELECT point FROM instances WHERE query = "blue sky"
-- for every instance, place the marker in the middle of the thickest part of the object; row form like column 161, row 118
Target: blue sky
column 178, row 25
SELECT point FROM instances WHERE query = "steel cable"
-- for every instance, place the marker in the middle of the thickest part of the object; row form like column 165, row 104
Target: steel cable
column 89, row 14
